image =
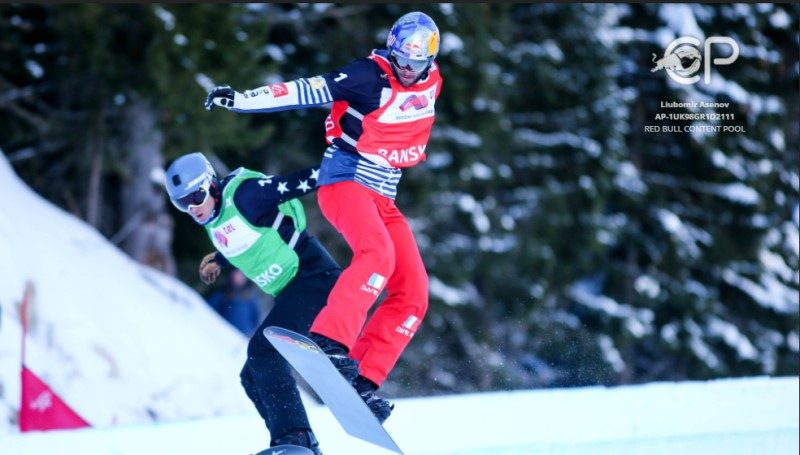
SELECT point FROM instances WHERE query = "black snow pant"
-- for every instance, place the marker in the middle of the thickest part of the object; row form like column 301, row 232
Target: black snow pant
column 266, row 376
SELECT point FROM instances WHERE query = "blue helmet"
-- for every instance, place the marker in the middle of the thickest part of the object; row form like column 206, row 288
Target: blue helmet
column 190, row 179
column 413, row 42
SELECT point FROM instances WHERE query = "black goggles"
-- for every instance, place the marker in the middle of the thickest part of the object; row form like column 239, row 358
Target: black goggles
column 408, row 64
column 195, row 198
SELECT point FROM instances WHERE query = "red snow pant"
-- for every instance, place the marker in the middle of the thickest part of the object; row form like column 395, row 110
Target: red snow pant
column 385, row 254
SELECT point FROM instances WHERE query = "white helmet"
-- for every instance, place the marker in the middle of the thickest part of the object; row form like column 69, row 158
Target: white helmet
column 190, row 179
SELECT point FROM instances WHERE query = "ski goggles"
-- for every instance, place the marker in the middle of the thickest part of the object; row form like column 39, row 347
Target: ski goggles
column 193, row 199
column 408, row 64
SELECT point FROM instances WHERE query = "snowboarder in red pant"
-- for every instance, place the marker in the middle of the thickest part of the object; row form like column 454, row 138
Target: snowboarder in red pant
column 380, row 122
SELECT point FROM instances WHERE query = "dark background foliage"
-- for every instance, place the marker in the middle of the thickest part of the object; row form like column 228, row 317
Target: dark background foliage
column 566, row 246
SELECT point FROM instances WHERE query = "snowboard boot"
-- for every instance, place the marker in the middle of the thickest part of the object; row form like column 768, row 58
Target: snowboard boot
column 301, row 437
column 337, row 352
column 379, row 406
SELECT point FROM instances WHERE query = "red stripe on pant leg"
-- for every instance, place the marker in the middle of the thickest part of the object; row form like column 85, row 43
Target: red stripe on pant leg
column 352, row 210
column 391, row 326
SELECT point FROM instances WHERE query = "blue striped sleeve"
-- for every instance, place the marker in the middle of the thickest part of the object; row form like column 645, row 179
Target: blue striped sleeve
column 283, row 96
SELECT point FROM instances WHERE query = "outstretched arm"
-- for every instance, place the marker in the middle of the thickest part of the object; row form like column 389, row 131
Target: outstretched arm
column 353, row 82
column 282, row 96
column 281, row 188
column 257, row 199
column 298, row 181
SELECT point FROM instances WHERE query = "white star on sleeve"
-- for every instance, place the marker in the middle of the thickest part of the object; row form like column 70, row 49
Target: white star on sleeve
column 303, row 185
column 282, row 187
column 315, row 174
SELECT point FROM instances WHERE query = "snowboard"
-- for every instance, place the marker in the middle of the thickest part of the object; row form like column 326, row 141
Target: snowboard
column 339, row 395
column 286, row 449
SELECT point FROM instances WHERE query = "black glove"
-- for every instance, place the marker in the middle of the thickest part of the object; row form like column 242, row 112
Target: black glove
column 221, row 95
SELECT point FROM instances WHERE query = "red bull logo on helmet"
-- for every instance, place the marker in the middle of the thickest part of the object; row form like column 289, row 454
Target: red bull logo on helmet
column 433, row 44
column 415, row 35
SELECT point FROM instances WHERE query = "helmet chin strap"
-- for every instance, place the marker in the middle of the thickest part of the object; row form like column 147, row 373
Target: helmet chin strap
column 211, row 218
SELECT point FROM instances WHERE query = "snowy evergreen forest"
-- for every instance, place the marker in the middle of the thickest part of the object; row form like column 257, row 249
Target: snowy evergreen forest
column 566, row 246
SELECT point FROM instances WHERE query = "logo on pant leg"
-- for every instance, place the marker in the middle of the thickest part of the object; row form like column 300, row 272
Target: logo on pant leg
column 376, row 281
column 374, row 284
column 407, row 328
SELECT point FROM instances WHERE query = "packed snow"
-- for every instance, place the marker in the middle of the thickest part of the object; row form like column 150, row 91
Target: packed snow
column 723, row 417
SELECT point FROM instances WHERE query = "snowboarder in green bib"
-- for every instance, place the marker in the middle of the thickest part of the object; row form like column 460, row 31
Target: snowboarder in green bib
column 257, row 225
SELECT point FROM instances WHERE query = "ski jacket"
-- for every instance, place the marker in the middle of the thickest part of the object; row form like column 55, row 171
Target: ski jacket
column 375, row 127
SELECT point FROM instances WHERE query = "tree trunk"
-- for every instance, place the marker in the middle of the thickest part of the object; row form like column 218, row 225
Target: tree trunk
column 146, row 234
column 94, row 197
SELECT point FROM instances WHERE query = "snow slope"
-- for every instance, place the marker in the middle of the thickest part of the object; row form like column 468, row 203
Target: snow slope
column 724, row 417
column 121, row 343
